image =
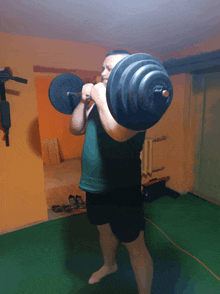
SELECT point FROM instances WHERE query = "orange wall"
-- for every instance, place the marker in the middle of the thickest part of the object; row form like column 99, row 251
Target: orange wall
column 22, row 198
column 21, row 175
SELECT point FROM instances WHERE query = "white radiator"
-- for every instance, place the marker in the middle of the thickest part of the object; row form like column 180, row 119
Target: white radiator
column 146, row 156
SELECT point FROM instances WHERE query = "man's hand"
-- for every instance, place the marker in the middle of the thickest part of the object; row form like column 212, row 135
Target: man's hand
column 98, row 94
column 86, row 91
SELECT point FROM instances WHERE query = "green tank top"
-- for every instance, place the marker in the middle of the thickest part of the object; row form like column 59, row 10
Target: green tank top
column 108, row 164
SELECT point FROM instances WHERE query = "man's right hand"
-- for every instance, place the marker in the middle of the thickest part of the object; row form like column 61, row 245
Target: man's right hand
column 86, row 91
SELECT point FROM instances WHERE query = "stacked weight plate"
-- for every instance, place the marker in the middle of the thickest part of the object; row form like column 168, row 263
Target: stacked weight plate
column 131, row 95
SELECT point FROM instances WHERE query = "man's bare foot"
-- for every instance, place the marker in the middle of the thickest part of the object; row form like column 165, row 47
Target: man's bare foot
column 104, row 271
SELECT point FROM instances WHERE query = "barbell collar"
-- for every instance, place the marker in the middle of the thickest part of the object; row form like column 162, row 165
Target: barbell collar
column 159, row 89
column 166, row 93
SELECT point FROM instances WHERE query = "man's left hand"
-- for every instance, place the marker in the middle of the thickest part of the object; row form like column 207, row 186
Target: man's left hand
column 98, row 94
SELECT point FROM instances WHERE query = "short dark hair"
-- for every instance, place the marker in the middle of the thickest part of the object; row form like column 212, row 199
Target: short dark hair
column 116, row 52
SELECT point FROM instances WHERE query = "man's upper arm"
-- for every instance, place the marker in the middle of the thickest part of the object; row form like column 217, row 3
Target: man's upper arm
column 126, row 134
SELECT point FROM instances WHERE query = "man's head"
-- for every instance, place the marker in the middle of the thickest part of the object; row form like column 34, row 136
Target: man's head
column 112, row 58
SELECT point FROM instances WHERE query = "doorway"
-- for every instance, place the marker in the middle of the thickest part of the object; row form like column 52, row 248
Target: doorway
column 62, row 179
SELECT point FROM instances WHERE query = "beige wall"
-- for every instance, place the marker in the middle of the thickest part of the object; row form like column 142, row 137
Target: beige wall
column 174, row 153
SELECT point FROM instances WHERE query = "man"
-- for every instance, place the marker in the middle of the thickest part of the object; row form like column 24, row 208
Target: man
column 111, row 178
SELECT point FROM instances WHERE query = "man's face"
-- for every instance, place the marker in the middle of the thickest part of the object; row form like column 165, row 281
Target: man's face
column 108, row 65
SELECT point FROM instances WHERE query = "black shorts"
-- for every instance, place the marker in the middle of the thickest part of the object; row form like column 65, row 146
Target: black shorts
column 121, row 208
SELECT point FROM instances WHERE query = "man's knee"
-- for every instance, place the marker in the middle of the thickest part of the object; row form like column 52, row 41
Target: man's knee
column 105, row 229
column 137, row 244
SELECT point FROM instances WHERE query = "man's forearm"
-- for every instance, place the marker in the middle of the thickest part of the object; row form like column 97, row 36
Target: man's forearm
column 78, row 118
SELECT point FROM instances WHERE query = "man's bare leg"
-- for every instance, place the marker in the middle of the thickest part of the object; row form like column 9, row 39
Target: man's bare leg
column 109, row 244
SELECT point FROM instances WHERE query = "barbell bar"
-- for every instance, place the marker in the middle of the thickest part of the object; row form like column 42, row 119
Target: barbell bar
column 165, row 93
column 139, row 92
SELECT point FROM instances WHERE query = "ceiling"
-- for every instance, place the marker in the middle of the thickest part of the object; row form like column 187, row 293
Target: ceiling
column 153, row 26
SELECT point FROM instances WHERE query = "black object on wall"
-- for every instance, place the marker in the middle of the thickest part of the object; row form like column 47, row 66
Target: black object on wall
column 4, row 105
column 196, row 64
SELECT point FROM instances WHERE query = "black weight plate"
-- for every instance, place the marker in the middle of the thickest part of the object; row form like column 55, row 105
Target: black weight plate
column 134, row 86
column 130, row 103
column 126, row 77
column 123, row 88
column 140, row 118
column 154, row 105
column 112, row 85
column 58, row 92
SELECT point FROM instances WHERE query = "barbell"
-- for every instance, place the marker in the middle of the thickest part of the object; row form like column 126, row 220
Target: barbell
column 139, row 92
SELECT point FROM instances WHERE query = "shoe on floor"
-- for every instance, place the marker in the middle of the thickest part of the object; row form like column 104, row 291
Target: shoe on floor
column 79, row 199
column 57, row 208
column 67, row 208
column 73, row 203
